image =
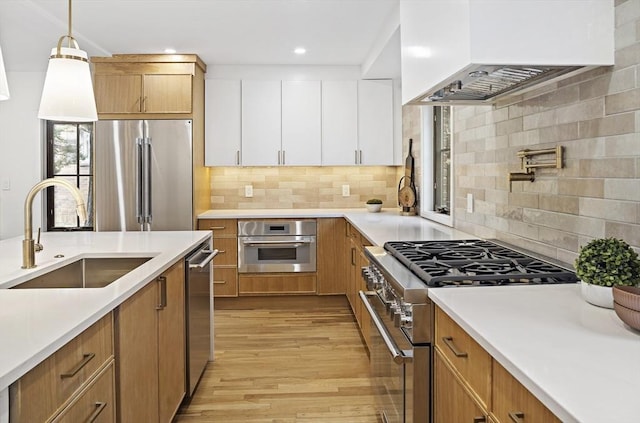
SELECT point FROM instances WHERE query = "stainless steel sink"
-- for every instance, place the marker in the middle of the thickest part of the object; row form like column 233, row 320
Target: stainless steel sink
column 85, row 273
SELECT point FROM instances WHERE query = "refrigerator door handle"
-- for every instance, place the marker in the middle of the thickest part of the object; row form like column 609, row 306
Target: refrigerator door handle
column 149, row 196
column 139, row 181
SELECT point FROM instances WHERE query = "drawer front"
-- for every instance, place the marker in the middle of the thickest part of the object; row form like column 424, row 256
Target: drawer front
column 512, row 402
column 273, row 283
column 95, row 404
column 220, row 227
column 227, row 251
column 51, row 383
column 225, row 282
column 466, row 355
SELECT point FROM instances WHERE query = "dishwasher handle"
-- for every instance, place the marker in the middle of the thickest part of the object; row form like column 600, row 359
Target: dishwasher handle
column 202, row 263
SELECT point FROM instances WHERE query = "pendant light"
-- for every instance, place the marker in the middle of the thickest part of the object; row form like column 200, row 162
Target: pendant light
column 68, row 91
column 4, row 87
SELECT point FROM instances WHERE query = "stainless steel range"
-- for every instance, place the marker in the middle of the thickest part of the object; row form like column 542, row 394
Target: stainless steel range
column 398, row 279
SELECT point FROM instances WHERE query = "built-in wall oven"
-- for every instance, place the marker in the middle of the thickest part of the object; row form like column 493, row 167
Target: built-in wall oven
column 276, row 246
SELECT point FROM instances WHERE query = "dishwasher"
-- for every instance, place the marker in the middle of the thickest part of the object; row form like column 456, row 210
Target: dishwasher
column 199, row 313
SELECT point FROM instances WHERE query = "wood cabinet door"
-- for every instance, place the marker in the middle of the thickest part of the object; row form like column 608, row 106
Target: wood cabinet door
column 512, row 401
column 118, row 93
column 171, row 344
column 365, row 321
column 167, row 93
column 451, row 402
column 137, row 356
column 332, row 256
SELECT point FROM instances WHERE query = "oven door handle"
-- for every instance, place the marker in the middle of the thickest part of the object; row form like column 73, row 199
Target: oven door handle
column 295, row 243
column 398, row 356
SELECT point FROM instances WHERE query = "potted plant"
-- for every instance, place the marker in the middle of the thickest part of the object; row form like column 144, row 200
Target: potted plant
column 374, row 205
column 603, row 263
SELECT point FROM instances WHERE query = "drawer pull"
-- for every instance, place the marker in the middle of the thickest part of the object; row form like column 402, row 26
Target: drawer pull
column 86, row 358
column 448, row 340
column 517, row 416
column 222, row 282
column 481, row 419
column 100, row 406
column 217, row 228
column 162, row 280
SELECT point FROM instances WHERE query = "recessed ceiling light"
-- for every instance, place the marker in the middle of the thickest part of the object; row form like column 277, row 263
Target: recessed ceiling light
column 300, row 50
column 170, row 50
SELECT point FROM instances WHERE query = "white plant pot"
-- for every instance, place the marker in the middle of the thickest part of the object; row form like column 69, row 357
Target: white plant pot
column 374, row 208
column 601, row 296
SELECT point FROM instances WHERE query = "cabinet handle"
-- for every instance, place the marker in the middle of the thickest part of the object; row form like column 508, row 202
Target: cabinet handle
column 100, row 406
column 217, row 228
column 144, row 103
column 162, row 280
column 448, row 340
column 516, row 416
column 360, row 158
column 284, row 158
column 279, row 154
column 481, row 419
column 222, row 282
column 86, row 358
column 353, row 256
column 356, row 157
column 238, row 157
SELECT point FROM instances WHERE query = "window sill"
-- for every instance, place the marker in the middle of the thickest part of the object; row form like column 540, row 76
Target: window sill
column 444, row 219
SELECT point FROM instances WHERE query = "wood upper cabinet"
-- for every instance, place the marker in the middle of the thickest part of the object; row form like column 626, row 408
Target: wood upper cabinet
column 54, row 385
column 150, row 355
column 146, row 84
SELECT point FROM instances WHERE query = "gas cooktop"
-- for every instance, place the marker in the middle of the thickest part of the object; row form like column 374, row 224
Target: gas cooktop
column 474, row 262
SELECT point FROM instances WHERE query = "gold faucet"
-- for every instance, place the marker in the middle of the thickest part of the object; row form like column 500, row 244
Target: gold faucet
column 29, row 246
column 529, row 166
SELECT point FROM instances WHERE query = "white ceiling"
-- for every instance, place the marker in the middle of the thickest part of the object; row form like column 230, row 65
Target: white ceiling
column 334, row 32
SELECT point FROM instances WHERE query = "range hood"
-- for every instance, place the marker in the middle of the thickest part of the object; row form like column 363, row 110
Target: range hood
column 486, row 83
column 477, row 51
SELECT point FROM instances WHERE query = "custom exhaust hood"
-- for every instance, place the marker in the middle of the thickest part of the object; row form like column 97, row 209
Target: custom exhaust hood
column 488, row 49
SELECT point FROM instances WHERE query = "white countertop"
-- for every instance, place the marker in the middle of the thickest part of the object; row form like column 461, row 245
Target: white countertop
column 34, row 323
column 387, row 225
column 580, row 360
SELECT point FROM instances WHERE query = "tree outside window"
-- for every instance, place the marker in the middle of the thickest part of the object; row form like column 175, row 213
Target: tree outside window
column 69, row 157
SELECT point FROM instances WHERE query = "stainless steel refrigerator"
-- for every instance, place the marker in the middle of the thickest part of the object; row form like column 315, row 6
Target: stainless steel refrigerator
column 143, row 175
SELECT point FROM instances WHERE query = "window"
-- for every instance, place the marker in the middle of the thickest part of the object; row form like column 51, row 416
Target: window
column 437, row 184
column 70, row 157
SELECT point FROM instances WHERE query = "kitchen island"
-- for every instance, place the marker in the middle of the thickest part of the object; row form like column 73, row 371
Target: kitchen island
column 37, row 322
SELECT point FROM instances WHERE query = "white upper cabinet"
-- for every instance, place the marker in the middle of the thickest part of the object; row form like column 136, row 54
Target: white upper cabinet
column 301, row 123
column 375, row 122
column 443, row 41
column 222, row 122
column 261, row 123
column 339, row 123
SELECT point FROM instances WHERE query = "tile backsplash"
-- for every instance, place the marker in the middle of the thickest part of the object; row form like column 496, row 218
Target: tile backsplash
column 302, row 187
column 595, row 116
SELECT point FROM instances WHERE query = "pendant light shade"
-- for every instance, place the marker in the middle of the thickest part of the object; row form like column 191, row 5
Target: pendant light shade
column 68, row 91
column 4, row 87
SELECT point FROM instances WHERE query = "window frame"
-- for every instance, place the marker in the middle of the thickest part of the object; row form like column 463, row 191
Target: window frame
column 428, row 128
column 49, row 204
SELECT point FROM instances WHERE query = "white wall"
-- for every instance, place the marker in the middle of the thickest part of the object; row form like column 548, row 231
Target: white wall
column 21, row 151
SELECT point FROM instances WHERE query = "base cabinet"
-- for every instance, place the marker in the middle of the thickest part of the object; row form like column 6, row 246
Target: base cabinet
column 150, row 347
column 471, row 386
column 356, row 282
column 50, row 389
column 225, row 265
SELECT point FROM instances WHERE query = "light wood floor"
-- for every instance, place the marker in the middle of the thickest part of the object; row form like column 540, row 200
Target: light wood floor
column 284, row 360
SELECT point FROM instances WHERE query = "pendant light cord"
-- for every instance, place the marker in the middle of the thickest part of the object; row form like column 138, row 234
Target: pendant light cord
column 70, row 37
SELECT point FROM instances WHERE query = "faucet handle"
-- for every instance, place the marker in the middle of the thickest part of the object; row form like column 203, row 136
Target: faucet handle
column 38, row 247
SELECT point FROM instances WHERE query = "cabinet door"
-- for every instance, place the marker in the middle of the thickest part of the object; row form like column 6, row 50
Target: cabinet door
column 375, row 122
column 339, row 122
column 261, row 123
column 167, row 93
column 365, row 321
column 171, row 344
column 118, row 93
column 222, row 122
column 301, row 123
column 137, row 356
column 332, row 256
column 451, row 402
column 513, row 402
